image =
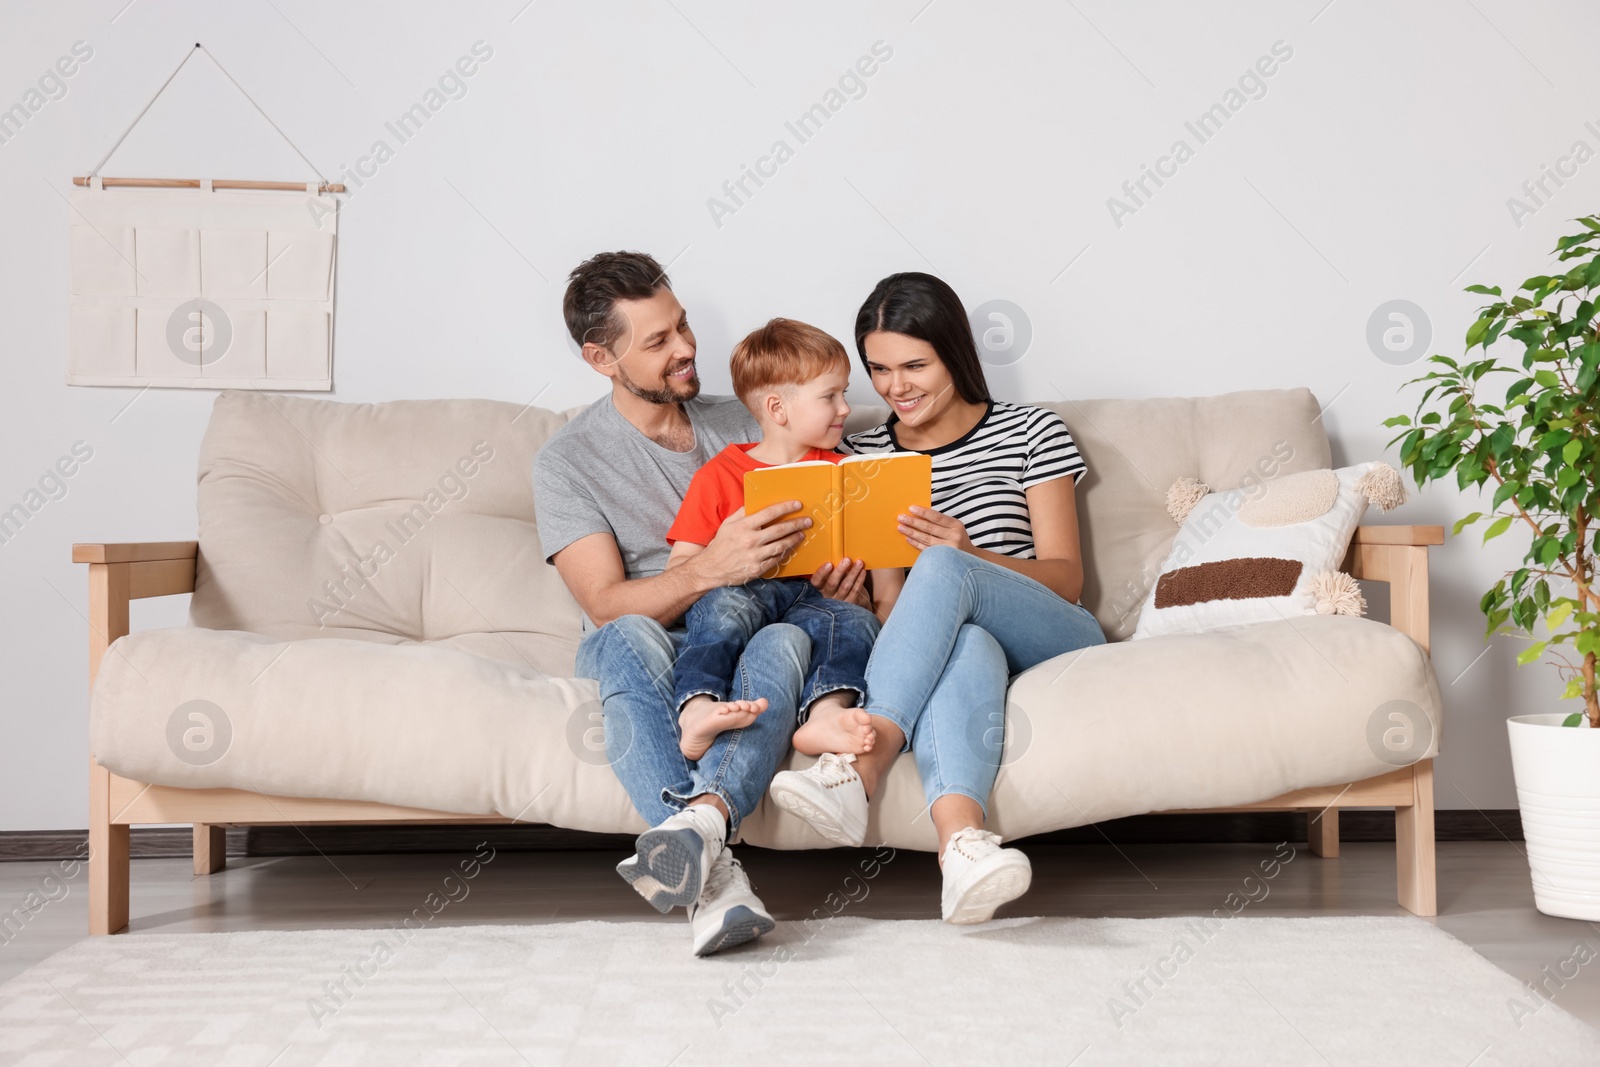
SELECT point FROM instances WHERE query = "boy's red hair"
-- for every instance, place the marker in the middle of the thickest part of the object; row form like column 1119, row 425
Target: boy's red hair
column 783, row 352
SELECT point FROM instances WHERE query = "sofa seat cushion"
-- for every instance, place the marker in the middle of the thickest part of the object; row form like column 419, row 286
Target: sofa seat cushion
column 1183, row 721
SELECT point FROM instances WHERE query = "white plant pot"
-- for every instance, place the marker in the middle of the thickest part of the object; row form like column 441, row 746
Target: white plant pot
column 1557, row 771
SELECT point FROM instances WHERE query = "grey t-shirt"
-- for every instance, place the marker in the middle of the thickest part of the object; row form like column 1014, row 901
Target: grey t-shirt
column 600, row 474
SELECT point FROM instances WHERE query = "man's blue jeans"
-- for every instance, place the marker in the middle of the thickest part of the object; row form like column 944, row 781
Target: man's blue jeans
column 960, row 630
column 722, row 622
column 632, row 657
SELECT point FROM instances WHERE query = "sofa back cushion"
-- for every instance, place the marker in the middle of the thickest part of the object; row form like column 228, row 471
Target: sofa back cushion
column 414, row 519
column 1136, row 449
column 408, row 519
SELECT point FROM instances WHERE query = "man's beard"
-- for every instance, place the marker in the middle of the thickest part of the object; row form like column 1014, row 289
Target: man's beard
column 667, row 394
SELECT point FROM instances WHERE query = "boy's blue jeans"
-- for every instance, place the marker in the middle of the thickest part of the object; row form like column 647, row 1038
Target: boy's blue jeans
column 632, row 658
column 723, row 621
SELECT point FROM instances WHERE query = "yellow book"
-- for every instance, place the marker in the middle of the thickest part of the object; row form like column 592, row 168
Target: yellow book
column 852, row 505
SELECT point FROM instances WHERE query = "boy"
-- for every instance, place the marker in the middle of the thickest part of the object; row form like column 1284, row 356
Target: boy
column 792, row 377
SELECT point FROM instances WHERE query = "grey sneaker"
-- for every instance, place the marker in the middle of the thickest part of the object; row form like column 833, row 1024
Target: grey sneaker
column 728, row 912
column 672, row 861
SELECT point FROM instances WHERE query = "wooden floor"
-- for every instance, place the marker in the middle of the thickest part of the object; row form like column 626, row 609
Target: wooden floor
column 1484, row 894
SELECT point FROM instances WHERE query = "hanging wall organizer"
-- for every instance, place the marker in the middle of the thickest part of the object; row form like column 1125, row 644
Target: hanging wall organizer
column 201, row 284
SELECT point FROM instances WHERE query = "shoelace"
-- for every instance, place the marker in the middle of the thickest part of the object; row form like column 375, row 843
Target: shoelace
column 722, row 874
column 970, row 836
column 835, row 767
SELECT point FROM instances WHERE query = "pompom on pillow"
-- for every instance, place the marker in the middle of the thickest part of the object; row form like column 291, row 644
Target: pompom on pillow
column 1263, row 552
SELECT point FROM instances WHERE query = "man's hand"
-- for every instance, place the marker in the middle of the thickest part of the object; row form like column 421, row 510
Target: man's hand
column 847, row 581
column 747, row 546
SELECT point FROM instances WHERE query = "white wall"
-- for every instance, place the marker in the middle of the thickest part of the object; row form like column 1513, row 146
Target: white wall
column 1377, row 166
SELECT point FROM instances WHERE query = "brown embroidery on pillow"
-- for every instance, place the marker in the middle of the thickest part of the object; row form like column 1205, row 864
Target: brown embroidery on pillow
column 1228, row 579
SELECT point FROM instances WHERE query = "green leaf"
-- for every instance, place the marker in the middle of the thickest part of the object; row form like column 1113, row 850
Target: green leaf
column 1398, row 420
column 1554, row 439
column 1557, row 616
column 1586, row 378
column 1531, row 653
column 1575, row 719
column 1572, row 450
column 1507, row 488
column 1462, row 524
column 1484, row 289
column 1498, row 527
column 1547, row 378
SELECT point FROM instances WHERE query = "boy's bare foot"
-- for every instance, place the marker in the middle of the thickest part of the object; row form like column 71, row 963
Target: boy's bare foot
column 702, row 719
column 835, row 727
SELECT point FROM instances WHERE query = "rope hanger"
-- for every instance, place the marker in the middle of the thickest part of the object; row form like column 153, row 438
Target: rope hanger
column 94, row 180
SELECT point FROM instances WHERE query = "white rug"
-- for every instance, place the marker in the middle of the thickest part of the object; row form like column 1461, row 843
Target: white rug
column 1343, row 991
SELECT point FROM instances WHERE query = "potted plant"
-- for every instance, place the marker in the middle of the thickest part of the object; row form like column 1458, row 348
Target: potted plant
column 1539, row 450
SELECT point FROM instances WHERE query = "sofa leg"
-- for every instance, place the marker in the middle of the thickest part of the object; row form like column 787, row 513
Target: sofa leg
column 108, row 858
column 1322, row 831
column 1413, row 841
column 210, row 848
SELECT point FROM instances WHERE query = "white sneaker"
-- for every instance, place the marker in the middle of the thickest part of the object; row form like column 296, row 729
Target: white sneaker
column 672, row 861
column 979, row 876
column 829, row 795
column 728, row 912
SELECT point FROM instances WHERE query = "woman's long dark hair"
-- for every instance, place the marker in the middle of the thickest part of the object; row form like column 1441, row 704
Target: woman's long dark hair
column 921, row 306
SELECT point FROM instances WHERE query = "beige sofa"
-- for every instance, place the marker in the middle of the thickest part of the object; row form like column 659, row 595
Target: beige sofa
column 376, row 638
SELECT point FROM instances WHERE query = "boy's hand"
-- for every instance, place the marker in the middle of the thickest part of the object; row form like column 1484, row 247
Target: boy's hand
column 747, row 546
column 847, row 581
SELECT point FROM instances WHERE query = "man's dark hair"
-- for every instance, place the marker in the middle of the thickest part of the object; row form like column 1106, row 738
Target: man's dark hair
column 595, row 286
column 922, row 306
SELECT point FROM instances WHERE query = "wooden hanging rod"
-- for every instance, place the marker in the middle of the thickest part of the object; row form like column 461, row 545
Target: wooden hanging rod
column 219, row 183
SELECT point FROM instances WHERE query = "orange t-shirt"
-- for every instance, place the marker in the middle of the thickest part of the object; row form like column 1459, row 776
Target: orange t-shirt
column 717, row 491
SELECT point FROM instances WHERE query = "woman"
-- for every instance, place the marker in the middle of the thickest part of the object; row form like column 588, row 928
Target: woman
column 993, row 592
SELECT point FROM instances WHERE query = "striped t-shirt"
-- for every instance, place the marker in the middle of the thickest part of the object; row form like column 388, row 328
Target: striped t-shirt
column 981, row 477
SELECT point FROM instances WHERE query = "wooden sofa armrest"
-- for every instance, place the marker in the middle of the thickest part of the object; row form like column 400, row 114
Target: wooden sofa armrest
column 1398, row 535
column 135, row 570
column 1397, row 555
column 135, row 551
column 119, row 573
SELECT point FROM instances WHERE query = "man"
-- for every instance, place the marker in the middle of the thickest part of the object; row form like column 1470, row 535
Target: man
column 606, row 488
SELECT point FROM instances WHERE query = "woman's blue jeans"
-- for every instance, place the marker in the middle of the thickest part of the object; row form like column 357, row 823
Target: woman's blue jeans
column 960, row 630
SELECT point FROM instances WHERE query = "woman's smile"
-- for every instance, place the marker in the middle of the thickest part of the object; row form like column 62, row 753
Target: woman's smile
column 908, row 404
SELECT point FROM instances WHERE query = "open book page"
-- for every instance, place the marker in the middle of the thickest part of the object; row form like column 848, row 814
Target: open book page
column 812, row 483
column 852, row 506
column 875, row 489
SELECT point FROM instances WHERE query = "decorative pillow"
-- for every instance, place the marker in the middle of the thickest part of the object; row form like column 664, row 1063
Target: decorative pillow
column 1265, row 551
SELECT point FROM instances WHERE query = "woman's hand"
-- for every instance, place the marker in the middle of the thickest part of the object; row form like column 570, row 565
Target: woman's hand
column 924, row 528
column 847, row 581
